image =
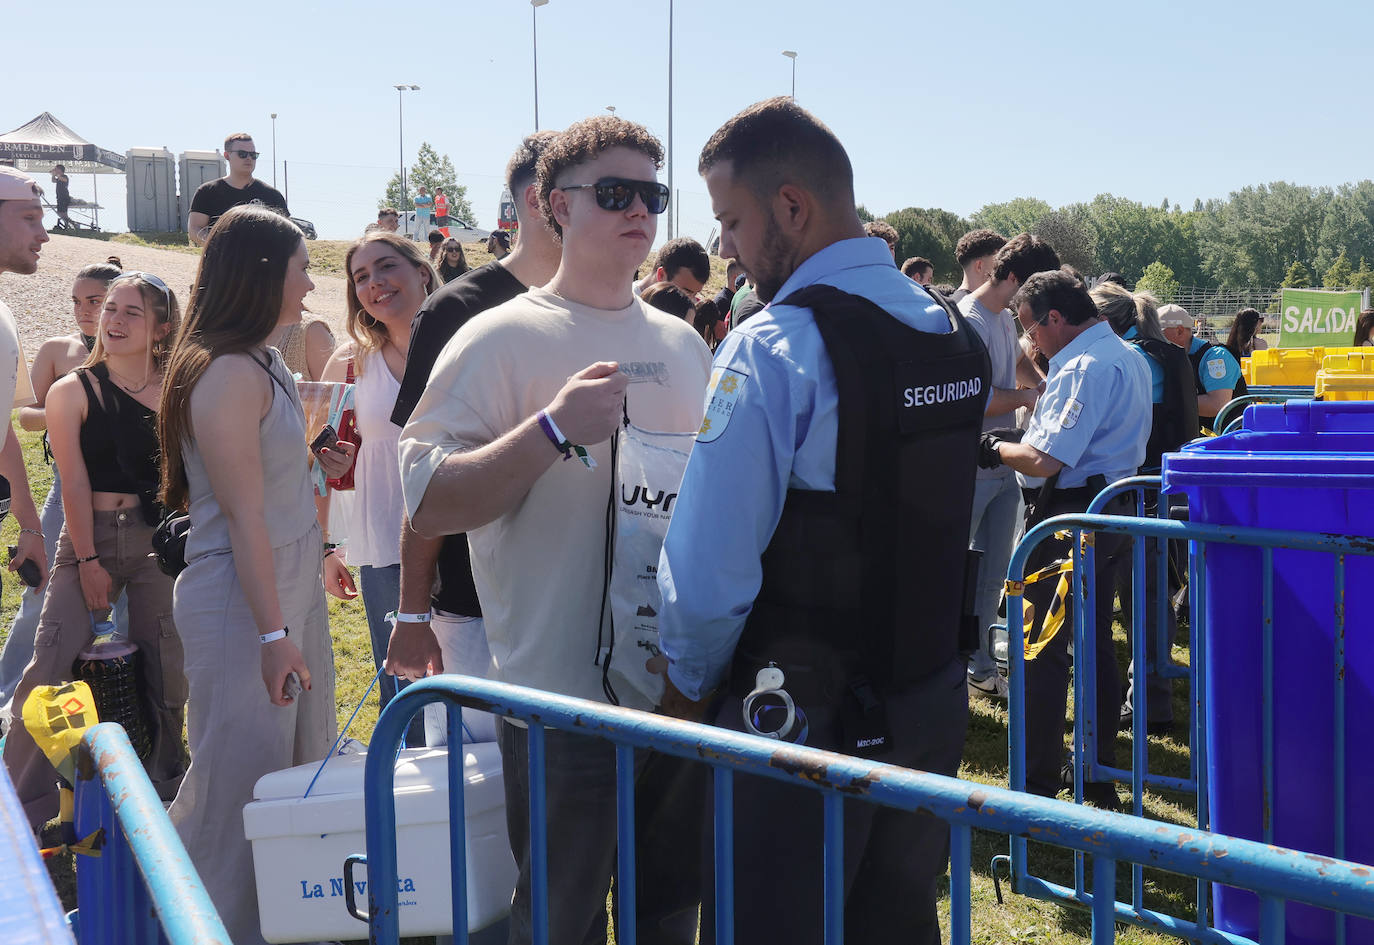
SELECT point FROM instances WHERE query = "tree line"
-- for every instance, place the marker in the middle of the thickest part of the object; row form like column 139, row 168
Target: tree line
column 1267, row 235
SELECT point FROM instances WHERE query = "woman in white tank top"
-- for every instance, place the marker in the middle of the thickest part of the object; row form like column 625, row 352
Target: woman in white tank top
column 389, row 279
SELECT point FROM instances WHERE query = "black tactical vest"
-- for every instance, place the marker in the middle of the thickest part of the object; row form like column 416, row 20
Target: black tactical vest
column 870, row 579
column 1175, row 418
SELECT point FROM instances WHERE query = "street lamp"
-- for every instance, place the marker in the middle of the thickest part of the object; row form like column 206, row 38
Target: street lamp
column 400, row 136
column 611, row 109
column 670, row 114
column 792, row 54
column 274, row 150
column 534, row 33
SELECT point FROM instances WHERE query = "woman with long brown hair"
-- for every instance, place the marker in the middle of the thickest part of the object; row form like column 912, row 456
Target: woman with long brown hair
column 249, row 605
column 102, row 424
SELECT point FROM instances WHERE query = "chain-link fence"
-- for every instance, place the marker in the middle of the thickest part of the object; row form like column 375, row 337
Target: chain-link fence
column 1215, row 308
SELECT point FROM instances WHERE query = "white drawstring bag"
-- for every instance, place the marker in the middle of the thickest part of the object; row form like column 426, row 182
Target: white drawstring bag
column 648, row 473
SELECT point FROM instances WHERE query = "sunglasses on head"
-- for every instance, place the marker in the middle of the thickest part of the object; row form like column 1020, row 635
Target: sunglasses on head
column 617, row 193
column 246, row 154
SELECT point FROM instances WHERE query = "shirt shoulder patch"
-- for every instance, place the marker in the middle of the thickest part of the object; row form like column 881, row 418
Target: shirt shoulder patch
column 721, row 394
column 1216, row 367
column 1069, row 418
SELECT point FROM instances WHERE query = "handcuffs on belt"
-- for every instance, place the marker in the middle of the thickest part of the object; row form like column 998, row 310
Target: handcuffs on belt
column 769, row 682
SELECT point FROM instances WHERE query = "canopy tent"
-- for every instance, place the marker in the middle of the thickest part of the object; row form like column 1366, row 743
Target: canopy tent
column 37, row 145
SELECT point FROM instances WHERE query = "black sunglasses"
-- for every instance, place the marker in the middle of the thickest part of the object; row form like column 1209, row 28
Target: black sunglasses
column 617, row 193
column 246, row 154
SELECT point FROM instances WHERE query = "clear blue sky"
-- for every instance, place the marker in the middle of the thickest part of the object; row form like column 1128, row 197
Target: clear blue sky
column 946, row 105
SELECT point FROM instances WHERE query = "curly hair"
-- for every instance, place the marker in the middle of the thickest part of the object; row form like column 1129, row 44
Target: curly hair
column 884, row 231
column 976, row 244
column 584, row 141
column 1022, row 257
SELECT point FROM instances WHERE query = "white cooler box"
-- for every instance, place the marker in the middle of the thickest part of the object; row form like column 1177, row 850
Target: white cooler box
column 299, row 845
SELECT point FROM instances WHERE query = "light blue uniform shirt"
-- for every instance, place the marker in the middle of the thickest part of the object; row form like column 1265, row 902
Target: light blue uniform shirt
column 1218, row 370
column 772, row 413
column 1095, row 415
column 1156, row 369
column 424, row 206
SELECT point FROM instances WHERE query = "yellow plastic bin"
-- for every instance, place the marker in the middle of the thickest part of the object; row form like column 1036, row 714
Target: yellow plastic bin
column 1289, row 367
column 1347, row 375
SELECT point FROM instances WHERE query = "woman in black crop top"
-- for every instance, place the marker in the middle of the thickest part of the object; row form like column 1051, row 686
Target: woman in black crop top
column 102, row 423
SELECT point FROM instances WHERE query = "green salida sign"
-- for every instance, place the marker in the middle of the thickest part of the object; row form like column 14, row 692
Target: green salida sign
column 1309, row 318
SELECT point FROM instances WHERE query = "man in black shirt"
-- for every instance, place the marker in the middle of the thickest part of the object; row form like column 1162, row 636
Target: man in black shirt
column 415, row 650
column 214, row 198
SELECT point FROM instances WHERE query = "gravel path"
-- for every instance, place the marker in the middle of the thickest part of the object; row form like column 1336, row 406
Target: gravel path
column 42, row 302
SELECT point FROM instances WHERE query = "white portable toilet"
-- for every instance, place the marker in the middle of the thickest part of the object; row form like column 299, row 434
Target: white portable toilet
column 150, row 183
column 197, row 167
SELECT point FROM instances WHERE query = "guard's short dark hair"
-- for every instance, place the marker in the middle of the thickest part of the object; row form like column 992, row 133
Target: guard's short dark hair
column 976, row 244
column 916, row 264
column 1112, row 277
column 1058, row 289
column 684, row 253
column 776, row 142
column 1022, row 257
column 584, row 141
column 521, row 168
column 388, row 212
column 883, row 230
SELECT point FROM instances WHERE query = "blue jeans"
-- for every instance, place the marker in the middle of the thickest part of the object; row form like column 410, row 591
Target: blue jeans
column 381, row 589
column 19, row 643
column 992, row 530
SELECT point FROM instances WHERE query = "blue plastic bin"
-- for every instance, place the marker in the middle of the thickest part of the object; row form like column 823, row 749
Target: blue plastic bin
column 1311, row 416
column 1289, row 474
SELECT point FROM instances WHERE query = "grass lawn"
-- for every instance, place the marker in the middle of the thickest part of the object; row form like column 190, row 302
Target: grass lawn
column 985, row 760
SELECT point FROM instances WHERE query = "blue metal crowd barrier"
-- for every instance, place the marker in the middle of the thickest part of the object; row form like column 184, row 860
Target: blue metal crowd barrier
column 1086, row 765
column 142, row 888
column 1275, row 874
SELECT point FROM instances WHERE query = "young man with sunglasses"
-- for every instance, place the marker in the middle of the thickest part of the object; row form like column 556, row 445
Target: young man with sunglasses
column 845, row 417
column 214, row 198
column 511, row 443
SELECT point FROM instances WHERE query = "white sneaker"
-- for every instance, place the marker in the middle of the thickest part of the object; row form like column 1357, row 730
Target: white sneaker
column 994, row 687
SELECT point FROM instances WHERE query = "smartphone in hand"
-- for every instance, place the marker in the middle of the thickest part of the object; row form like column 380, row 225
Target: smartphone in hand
column 327, row 438
column 28, row 571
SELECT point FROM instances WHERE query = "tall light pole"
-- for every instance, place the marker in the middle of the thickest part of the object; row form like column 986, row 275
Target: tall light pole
column 611, row 109
column 534, row 33
column 792, row 54
column 400, row 136
column 274, row 150
column 670, row 112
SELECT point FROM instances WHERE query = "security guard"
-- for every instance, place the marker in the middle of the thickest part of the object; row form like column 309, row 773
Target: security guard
column 1215, row 370
column 822, row 528
column 1089, row 429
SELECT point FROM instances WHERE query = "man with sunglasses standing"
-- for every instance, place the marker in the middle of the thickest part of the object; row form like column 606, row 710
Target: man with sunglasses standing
column 214, row 198
column 511, row 442
column 845, row 418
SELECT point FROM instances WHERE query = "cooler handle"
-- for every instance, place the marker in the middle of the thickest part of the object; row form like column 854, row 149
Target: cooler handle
column 350, row 898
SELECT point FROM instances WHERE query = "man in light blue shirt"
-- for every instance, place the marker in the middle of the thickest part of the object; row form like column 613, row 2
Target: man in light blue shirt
column 758, row 529
column 424, row 209
column 1089, row 429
